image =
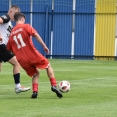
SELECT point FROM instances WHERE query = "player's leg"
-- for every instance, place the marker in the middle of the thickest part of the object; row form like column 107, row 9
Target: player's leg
column 7, row 56
column 44, row 64
column 16, row 65
column 16, row 75
column 33, row 72
column 35, row 85
column 52, row 78
column 0, row 66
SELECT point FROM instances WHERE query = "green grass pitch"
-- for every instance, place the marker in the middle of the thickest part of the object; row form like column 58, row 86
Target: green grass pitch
column 93, row 91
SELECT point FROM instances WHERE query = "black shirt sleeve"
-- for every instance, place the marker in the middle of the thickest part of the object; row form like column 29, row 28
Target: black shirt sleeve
column 5, row 18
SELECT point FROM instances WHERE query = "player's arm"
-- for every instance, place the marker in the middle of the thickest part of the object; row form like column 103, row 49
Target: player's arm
column 4, row 19
column 34, row 33
column 39, row 39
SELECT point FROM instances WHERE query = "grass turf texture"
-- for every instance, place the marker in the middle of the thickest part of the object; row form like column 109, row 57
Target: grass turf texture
column 93, row 91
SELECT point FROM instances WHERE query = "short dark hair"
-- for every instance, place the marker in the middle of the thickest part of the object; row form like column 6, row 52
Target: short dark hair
column 18, row 16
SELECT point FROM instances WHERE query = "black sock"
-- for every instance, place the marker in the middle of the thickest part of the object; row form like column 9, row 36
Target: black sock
column 16, row 78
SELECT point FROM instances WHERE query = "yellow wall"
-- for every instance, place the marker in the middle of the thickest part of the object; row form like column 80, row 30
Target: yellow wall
column 105, row 28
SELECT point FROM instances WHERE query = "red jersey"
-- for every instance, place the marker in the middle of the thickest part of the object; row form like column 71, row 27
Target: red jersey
column 20, row 43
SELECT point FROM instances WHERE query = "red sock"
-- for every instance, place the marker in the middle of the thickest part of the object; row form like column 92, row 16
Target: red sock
column 35, row 87
column 53, row 81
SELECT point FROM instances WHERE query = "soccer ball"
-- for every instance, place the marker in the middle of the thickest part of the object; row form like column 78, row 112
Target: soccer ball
column 64, row 86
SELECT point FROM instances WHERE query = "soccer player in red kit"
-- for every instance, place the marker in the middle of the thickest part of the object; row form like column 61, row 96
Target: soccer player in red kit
column 20, row 43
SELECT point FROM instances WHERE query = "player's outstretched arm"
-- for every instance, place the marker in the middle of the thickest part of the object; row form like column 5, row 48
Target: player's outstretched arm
column 4, row 19
column 39, row 39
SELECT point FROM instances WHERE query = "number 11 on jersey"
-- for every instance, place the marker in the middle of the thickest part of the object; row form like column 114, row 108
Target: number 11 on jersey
column 19, row 37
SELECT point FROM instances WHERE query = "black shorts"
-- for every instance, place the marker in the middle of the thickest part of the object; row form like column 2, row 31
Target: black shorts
column 5, row 55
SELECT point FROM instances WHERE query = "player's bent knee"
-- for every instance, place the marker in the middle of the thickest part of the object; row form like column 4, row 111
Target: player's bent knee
column 14, row 61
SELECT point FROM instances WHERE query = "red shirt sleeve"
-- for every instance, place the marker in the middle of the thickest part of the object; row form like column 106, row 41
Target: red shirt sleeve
column 31, row 30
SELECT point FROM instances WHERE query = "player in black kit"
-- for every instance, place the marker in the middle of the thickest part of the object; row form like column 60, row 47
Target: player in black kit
column 5, row 55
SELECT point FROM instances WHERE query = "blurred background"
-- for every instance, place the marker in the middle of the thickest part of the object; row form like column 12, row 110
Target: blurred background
column 72, row 29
